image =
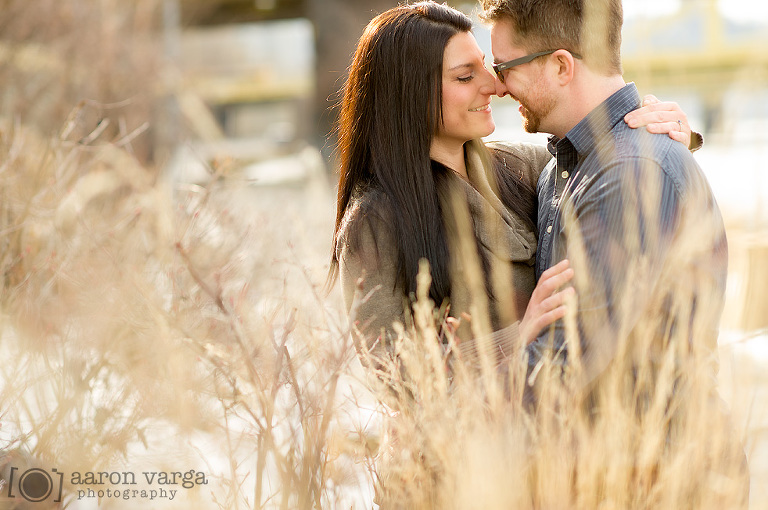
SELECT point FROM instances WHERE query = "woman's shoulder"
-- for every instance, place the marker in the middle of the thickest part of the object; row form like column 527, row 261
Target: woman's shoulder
column 518, row 149
column 365, row 204
column 525, row 159
column 364, row 221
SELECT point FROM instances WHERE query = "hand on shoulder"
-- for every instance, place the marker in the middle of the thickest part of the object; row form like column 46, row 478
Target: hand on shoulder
column 664, row 117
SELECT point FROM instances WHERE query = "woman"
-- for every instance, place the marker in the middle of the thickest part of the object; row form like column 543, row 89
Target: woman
column 416, row 103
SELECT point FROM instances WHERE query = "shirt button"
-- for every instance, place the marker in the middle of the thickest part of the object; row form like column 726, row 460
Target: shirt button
column 549, row 229
column 564, row 174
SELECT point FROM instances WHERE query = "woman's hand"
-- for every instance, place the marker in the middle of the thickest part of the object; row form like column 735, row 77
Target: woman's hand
column 547, row 302
column 662, row 118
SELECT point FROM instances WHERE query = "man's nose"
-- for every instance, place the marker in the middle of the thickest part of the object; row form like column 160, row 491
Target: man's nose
column 501, row 89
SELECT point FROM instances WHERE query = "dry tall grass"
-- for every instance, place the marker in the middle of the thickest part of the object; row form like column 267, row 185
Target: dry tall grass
column 131, row 311
column 54, row 54
column 146, row 328
column 649, row 432
column 143, row 324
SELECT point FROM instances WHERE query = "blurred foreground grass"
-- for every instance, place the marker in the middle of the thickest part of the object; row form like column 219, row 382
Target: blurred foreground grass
column 147, row 325
column 153, row 328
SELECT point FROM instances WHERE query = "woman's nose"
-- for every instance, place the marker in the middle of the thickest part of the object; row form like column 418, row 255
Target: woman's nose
column 489, row 83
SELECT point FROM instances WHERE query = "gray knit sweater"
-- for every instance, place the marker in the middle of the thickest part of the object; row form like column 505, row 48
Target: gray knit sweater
column 368, row 276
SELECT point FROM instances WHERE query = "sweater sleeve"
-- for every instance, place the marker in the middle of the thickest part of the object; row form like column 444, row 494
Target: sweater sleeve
column 527, row 159
column 368, row 276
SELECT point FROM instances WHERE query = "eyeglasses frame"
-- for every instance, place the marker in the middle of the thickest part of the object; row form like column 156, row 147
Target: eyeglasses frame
column 503, row 66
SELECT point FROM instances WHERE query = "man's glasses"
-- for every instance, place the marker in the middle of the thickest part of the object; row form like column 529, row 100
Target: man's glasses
column 500, row 68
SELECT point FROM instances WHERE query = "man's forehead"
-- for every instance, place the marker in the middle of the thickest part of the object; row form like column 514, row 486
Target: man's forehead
column 504, row 40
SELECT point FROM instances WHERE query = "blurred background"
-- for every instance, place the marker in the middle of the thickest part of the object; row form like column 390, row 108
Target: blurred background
column 259, row 80
column 242, row 92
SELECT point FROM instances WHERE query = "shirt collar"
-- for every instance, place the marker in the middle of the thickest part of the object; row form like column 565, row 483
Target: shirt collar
column 584, row 135
column 552, row 144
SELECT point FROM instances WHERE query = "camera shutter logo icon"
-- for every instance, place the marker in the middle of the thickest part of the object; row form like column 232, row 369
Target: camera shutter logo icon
column 34, row 484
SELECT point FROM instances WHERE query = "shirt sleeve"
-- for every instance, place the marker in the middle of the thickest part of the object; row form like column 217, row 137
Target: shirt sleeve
column 616, row 234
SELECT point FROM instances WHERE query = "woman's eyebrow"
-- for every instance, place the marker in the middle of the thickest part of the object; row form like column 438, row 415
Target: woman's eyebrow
column 468, row 64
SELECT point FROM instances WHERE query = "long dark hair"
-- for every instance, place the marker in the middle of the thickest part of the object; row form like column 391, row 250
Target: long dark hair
column 390, row 112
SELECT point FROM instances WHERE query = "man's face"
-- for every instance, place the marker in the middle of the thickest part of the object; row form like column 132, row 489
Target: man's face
column 525, row 83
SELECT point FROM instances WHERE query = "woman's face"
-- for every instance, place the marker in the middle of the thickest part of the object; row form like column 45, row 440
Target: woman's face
column 467, row 89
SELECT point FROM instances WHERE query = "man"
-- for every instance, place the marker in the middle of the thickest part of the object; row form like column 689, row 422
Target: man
column 631, row 210
column 614, row 199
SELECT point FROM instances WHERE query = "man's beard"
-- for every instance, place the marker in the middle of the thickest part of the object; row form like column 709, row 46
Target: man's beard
column 532, row 118
column 531, row 121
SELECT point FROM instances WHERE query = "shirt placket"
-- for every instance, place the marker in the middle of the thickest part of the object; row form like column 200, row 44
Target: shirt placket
column 566, row 160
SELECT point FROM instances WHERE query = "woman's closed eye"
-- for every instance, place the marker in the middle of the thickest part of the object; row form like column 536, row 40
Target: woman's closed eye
column 466, row 79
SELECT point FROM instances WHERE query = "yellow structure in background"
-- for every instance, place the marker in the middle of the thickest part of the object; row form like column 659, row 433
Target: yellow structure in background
column 699, row 54
column 697, row 50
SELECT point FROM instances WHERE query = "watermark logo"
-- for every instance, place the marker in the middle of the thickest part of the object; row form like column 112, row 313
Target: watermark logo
column 35, row 484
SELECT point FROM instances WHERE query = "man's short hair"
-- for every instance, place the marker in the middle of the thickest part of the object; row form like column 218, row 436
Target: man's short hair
column 590, row 28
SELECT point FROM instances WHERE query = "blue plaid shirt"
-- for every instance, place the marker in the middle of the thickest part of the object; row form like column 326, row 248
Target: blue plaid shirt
column 636, row 217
